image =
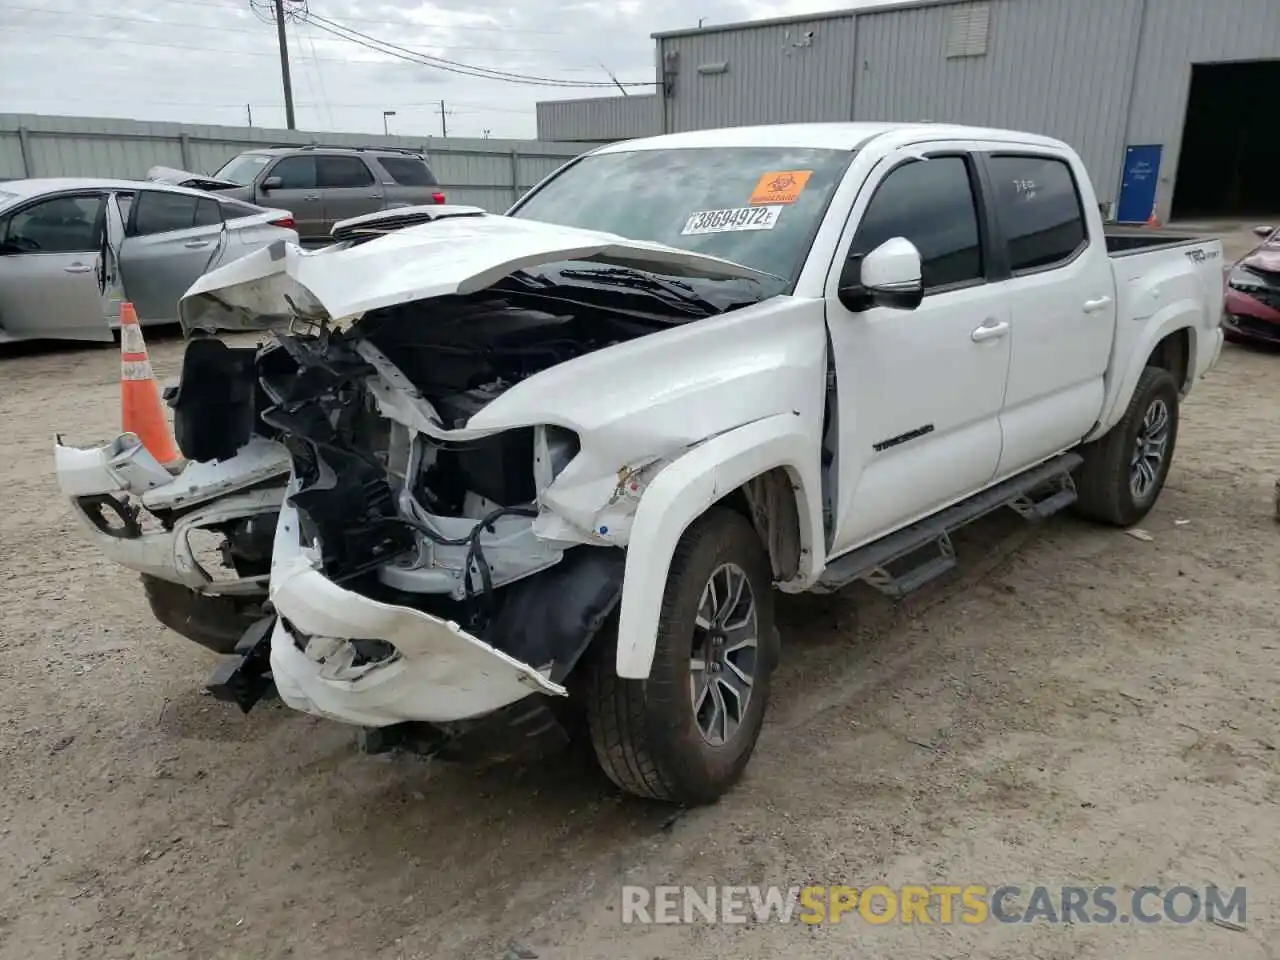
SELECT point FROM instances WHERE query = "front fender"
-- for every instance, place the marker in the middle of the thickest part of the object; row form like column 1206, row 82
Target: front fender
column 683, row 491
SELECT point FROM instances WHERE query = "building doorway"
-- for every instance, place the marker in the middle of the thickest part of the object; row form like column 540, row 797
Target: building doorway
column 1229, row 165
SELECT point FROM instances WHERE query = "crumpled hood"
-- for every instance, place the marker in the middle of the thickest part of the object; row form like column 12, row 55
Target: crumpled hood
column 185, row 178
column 449, row 256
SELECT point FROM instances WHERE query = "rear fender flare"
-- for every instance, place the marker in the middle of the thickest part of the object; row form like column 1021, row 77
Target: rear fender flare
column 682, row 492
column 1180, row 316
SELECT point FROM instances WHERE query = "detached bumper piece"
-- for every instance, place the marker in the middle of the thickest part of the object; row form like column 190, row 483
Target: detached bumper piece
column 525, row 731
column 244, row 677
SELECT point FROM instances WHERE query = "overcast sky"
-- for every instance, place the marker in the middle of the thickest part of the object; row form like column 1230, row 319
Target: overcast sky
column 203, row 61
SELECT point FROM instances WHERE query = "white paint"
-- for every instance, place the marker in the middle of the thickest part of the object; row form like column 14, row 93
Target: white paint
column 1005, row 374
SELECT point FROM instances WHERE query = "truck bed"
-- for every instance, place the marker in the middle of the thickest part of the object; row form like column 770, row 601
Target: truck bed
column 1125, row 241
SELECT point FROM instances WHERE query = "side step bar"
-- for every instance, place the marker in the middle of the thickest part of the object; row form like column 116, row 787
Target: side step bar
column 1035, row 495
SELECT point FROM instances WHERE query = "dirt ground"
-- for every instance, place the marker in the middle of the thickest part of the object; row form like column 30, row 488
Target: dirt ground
column 1074, row 705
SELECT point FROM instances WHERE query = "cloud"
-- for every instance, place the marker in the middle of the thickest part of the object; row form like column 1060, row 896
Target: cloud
column 206, row 61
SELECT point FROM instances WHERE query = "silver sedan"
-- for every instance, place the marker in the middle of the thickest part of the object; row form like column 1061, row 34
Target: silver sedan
column 72, row 250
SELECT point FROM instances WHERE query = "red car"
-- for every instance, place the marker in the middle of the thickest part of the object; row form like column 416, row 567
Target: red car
column 1252, row 308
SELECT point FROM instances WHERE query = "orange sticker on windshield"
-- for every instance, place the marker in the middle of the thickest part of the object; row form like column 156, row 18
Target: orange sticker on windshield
column 780, row 186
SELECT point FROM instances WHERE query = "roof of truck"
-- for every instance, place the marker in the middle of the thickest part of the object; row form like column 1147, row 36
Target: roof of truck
column 831, row 136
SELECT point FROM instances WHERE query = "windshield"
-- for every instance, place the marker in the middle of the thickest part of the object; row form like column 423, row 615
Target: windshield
column 243, row 169
column 758, row 206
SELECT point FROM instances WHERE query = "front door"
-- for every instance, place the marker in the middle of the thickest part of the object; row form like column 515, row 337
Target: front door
column 50, row 263
column 171, row 240
column 299, row 193
column 1138, row 184
column 919, row 392
column 348, row 187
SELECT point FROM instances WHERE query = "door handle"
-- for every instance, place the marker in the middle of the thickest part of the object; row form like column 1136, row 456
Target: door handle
column 311, row 196
column 991, row 330
column 196, row 244
column 78, row 268
column 1093, row 306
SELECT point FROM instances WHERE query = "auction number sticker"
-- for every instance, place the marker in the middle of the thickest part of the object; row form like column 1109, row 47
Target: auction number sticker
column 732, row 220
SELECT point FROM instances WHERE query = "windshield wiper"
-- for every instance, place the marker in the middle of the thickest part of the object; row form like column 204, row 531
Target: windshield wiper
column 681, row 292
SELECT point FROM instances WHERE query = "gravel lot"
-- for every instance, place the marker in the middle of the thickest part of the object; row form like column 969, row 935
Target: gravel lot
column 1075, row 705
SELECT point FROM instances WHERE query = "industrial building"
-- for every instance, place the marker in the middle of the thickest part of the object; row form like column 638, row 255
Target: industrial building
column 1171, row 103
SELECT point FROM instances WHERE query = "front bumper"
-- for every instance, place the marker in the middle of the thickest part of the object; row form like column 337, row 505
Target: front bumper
column 122, row 479
column 436, row 672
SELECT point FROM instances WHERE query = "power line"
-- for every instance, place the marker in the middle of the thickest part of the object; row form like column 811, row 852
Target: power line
column 454, row 66
column 238, row 7
column 255, row 31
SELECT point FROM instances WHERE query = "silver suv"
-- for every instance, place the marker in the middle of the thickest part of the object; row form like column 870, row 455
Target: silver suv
column 319, row 185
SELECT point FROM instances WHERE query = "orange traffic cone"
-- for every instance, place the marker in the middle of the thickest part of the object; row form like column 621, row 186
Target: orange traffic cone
column 142, row 413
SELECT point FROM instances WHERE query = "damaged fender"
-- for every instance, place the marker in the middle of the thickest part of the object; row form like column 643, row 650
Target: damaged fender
column 683, row 491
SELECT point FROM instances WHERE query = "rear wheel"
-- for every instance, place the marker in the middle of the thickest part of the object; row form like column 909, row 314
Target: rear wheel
column 1124, row 471
column 686, row 733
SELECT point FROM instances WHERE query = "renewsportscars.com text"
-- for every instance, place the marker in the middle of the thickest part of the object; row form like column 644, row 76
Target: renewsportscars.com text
column 969, row 904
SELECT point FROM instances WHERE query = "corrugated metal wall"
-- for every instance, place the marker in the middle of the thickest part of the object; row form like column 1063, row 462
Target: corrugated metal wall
column 599, row 118
column 1180, row 33
column 768, row 74
column 1053, row 67
column 487, row 173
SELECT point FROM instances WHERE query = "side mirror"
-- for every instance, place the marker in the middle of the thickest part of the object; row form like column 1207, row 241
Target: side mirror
column 1264, row 232
column 889, row 276
column 272, row 183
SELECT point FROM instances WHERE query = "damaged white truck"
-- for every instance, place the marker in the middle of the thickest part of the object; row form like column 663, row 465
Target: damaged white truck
column 511, row 476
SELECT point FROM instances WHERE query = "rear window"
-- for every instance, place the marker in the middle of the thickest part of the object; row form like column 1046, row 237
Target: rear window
column 408, row 172
column 1039, row 208
column 208, row 213
column 232, row 210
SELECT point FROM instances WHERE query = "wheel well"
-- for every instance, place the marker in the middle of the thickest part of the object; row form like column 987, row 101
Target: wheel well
column 1173, row 353
column 769, row 502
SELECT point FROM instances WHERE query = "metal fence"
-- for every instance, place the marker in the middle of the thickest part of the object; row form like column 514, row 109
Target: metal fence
column 491, row 174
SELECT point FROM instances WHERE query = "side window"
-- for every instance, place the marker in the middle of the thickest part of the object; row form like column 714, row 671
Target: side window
column 1039, row 208
column 343, row 172
column 408, row 171
column 931, row 203
column 124, row 201
column 57, row 225
column 156, row 212
column 208, row 213
column 295, row 173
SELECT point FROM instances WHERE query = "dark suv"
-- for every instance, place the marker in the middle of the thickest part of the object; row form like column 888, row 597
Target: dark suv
column 320, row 185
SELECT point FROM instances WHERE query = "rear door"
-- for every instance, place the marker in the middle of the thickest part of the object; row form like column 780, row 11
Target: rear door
column 1061, row 297
column 348, row 187
column 50, row 263
column 298, row 193
column 170, row 241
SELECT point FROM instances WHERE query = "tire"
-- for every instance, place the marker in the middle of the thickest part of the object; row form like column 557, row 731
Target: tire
column 1105, row 483
column 646, row 734
column 215, row 623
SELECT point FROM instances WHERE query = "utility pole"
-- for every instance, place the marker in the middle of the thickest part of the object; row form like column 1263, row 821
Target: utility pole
column 444, row 124
column 284, row 65
column 248, row 109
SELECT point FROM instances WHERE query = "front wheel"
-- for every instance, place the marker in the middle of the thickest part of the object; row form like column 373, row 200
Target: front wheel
column 1125, row 470
column 686, row 733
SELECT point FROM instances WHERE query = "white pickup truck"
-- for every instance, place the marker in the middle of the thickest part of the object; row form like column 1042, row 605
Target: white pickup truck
column 511, row 474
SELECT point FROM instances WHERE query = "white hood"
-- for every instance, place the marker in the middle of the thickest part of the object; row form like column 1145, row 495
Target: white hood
column 454, row 255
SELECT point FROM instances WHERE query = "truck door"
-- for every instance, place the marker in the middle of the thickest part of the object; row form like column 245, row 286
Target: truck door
column 919, row 392
column 1061, row 298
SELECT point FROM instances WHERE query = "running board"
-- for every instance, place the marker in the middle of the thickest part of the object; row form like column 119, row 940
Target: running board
column 924, row 551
